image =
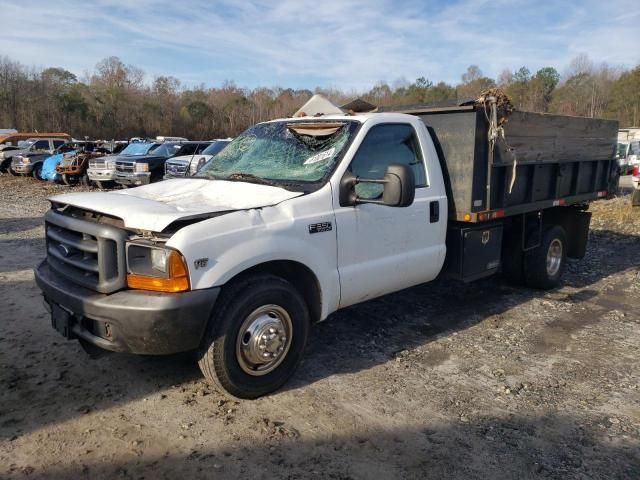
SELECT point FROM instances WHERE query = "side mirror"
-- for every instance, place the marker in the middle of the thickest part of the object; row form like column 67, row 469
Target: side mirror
column 399, row 187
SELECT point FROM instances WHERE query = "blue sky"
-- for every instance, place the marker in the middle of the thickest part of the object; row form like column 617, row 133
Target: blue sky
column 328, row 43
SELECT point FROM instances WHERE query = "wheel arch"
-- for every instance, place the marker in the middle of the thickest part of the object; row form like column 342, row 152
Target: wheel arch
column 301, row 277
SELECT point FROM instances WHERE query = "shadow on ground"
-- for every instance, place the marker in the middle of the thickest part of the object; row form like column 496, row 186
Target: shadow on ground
column 498, row 448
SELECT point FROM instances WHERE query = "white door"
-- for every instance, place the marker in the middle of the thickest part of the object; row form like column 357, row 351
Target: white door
column 383, row 249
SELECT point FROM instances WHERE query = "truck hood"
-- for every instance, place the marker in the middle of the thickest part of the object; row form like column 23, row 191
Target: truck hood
column 154, row 207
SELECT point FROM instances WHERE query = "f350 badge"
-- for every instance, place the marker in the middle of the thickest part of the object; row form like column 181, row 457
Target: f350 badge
column 320, row 227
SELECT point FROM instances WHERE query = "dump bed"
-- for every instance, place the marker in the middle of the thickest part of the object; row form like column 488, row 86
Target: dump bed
column 541, row 161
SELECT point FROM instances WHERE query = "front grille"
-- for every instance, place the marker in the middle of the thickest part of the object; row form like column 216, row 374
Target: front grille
column 97, row 164
column 125, row 167
column 176, row 168
column 87, row 253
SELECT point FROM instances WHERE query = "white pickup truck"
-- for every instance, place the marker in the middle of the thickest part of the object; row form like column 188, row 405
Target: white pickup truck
column 294, row 220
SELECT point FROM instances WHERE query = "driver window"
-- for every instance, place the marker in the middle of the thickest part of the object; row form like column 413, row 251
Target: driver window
column 384, row 145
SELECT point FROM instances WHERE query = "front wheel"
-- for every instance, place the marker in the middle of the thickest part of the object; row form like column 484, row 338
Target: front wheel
column 256, row 337
column 37, row 172
column 545, row 264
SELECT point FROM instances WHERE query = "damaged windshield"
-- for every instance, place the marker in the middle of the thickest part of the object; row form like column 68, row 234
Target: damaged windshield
column 282, row 151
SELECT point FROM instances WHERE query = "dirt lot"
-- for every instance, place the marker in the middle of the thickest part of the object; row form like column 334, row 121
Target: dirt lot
column 443, row 380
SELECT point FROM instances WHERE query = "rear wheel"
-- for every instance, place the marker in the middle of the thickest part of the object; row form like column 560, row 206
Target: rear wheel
column 545, row 264
column 256, row 336
column 65, row 179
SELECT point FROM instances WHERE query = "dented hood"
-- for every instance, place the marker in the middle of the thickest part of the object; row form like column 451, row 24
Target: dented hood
column 154, row 207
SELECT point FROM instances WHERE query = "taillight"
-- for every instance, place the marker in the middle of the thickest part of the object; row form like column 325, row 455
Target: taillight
column 636, row 170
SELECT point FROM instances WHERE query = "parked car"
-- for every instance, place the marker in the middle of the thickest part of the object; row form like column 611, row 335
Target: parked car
column 186, row 163
column 144, row 162
column 7, row 148
column 300, row 217
column 635, row 181
column 28, row 160
column 633, row 156
column 101, row 171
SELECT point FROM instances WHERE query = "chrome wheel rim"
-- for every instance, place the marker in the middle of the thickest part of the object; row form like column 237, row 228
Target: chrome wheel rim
column 264, row 340
column 554, row 257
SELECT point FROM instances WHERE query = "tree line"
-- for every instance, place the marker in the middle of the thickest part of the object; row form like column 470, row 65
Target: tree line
column 114, row 101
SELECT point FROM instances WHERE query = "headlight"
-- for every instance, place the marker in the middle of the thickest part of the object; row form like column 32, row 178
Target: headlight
column 142, row 167
column 25, row 159
column 156, row 268
column 195, row 166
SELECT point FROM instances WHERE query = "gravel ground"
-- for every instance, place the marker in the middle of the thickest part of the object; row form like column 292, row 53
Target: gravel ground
column 444, row 380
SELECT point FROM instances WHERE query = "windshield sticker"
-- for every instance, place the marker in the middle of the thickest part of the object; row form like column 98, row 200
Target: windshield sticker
column 319, row 157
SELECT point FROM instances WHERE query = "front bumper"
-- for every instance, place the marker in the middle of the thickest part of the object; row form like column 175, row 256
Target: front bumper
column 23, row 168
column 138, row 178
column 132, row 321
column 173, row 175
column 101, row 175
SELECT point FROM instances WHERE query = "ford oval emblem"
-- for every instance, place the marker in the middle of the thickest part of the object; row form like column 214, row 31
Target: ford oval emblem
column 64, row 250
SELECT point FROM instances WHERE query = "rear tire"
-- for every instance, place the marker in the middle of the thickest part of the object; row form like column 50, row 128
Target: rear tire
column 256, row 316
column 65, row 179
column 545, row 264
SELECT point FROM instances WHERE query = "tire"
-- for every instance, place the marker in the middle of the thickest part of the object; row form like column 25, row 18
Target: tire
column 65, row 179
column 12, row 172
column 254, row 301
column 541, row 272
column 37, row 172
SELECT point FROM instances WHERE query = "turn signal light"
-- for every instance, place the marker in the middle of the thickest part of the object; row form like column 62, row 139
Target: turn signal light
column 176, row 281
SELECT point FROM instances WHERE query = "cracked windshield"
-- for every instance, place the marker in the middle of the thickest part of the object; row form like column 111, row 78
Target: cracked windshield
column 282, row 151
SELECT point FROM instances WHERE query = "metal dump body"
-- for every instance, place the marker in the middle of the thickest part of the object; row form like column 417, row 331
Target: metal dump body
column 543, row 161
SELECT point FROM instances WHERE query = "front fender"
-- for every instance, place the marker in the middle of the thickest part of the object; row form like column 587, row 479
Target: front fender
column 238, row 241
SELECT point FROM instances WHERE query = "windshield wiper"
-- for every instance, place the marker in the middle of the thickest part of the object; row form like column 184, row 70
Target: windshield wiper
column 248, row 177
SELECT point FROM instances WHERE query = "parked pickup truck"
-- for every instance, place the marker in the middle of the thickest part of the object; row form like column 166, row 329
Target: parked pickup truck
column 145, row 164
column 186, row 164
column 32, row 163
column 29, row 147
column 299, row 217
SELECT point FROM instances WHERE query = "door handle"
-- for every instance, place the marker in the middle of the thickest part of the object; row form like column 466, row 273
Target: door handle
column 434, row 211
